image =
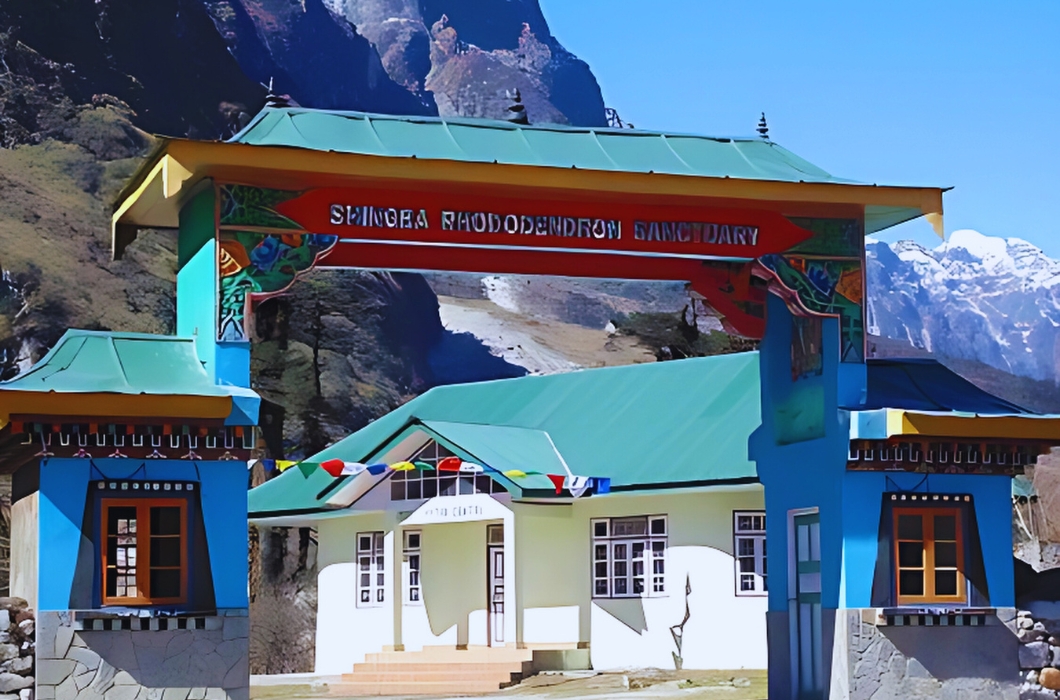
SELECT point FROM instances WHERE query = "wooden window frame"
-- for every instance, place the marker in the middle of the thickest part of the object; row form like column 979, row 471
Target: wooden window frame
column 927, row 515
column 402, row 483
column 376, row 555
column 143, row 549
column 413, row 575
column 654, row 545
column 758, row 537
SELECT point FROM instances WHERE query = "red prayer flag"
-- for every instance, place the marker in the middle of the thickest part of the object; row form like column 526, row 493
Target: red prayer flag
column 557, row 481
column 449, row 464
column 333, row 466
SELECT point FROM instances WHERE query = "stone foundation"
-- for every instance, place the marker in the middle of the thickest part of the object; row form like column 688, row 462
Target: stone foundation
column 925, row 659
column 90, row 657
column 1038, row 631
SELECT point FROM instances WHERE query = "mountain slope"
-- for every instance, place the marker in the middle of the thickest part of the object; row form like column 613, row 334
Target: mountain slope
column 973, row 297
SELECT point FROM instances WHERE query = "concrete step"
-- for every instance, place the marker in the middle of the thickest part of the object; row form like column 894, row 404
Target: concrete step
column 447, row 687
column 450, row 655
column 495, row 676
column 435, row 667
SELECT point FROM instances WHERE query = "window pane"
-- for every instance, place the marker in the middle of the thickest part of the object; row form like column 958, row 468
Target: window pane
column 397, row 489
column 620, row 568
column 467, row 485
column 601, row 552
column 658, row 526
column 945, row 527
column 910, row 554
column 165, row 583
column 447, row 486
column 414, row 540
column 744, row 523
column 638, row 585
column 946, row 554
column 366, row 580
column 430, row 487
column 121, row 520
column 600, row 528
column 112, row 583
column 911, row 583
column 910, row 527
column 623, row 527
column 165, row 551
column 620, row 551
column 601, row 569
column 165, row 520
column 413, row 489
column 601, row 588
column 620, row 586
column 946, row 583
column 747, row 564
column 745, row 547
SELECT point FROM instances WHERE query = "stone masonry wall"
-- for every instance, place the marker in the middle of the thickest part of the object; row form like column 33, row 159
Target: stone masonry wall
column 1038, row 631
column 17, row 644
column 920, row 662
column 208, row 663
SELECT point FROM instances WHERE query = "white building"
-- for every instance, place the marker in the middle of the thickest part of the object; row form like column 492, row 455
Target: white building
column 659, row 556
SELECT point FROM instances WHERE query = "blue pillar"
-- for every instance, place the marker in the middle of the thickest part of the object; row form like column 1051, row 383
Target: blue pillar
column 197, row 292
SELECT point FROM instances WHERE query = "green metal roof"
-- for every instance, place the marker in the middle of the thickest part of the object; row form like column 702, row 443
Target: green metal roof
column 548, row 145
column 94, row 362
column 657, row 425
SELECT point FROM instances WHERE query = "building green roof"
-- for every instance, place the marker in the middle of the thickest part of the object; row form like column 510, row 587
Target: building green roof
column 658, row 425
column 90, row 373
column 548, row 145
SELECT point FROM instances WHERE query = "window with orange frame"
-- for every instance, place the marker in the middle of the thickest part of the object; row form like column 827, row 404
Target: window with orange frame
column 144, row 553
column 929, row 556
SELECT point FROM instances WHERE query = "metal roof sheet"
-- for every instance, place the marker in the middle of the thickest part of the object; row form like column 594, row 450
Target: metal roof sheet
column 548, row 145
column 139, row 364
column 643, row 426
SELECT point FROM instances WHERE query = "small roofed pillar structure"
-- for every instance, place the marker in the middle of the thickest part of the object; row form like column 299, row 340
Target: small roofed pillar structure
column 129, row 512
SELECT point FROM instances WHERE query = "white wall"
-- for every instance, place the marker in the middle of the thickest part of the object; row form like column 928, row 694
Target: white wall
column 345, row 632
column 724, row 631
column 23, row 575
column 553, row 603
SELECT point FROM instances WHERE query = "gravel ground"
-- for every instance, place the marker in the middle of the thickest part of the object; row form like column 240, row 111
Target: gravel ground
column 643, row 684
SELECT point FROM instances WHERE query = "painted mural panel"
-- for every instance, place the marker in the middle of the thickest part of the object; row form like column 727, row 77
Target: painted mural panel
column 807, row 355
column 261, row 253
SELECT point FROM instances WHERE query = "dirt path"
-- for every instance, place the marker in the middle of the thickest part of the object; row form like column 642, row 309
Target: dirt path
column 541, row 346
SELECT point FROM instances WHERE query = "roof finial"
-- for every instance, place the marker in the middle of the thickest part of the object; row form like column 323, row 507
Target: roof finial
column 763, row 128
column 274, row 100
column 516, row 110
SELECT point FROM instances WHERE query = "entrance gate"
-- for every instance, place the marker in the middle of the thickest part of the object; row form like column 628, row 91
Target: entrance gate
column 736, row 219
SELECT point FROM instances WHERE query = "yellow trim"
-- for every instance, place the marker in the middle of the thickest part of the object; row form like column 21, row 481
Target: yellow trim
column 182, row 163
column 894, row 422
column 107, row 404
column 1011, row 427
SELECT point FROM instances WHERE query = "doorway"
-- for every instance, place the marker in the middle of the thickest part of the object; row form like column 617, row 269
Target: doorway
column 495, row 584
column 808, row 653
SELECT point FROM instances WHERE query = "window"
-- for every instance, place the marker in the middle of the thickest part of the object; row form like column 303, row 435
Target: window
column 629, row 557
column 929, row 557
column 411, row 550
column 749, row 548
column 417, row 484
column 371, row 580
column 144, row 551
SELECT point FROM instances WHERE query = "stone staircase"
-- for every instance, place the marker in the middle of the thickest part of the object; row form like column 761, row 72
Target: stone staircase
column 436, row 671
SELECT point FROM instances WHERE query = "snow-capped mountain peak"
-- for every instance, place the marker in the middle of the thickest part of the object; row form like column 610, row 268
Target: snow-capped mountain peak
column 974, row 296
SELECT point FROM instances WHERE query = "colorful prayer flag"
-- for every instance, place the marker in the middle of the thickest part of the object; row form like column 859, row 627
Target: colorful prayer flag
column 449, row 464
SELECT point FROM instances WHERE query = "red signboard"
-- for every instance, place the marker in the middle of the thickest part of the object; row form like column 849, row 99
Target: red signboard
column 470, row 221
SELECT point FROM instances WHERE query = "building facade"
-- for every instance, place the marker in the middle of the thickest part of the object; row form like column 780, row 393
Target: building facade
column 128, row 518
column 659, row 559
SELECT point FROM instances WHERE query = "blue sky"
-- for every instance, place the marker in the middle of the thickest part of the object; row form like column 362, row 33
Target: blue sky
column 963, row 94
